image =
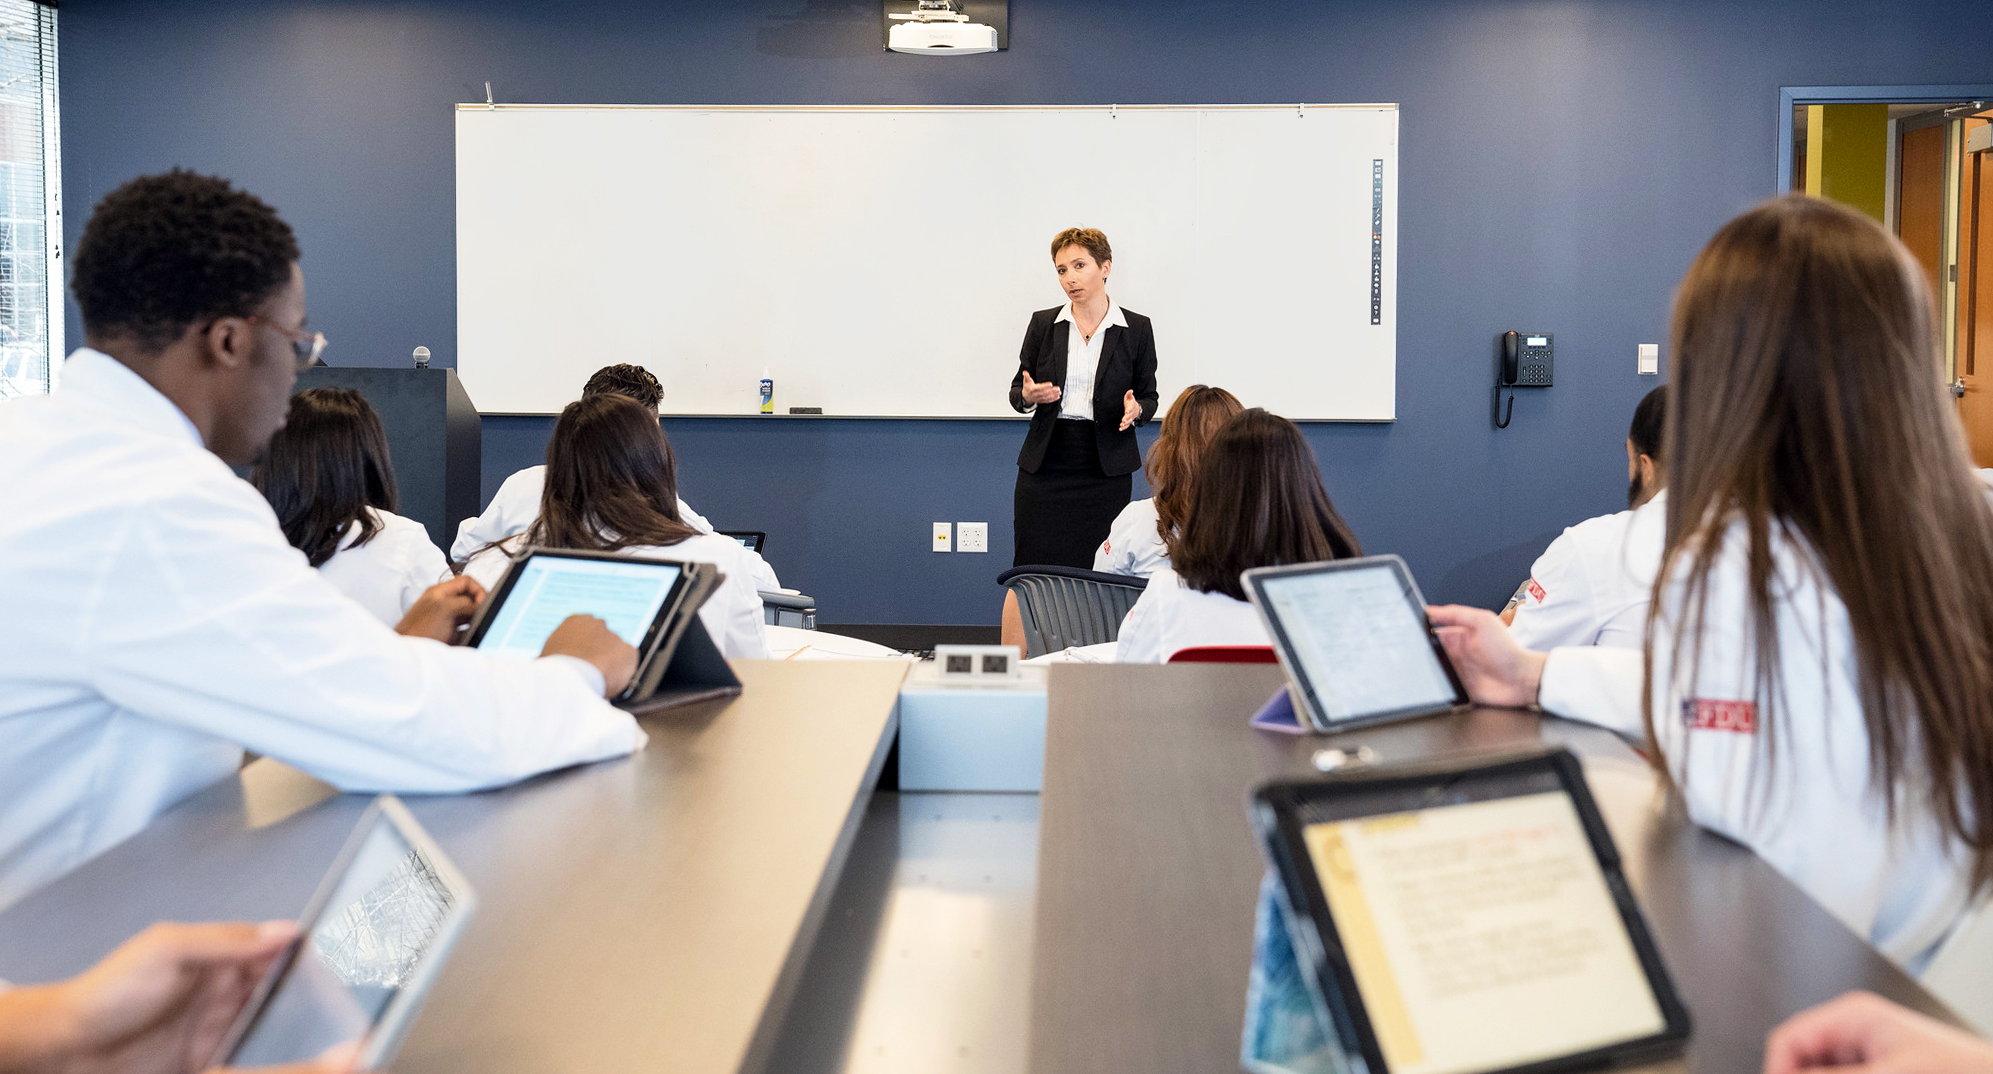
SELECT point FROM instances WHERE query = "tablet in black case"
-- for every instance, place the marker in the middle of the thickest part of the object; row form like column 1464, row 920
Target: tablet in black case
column 1467, row 918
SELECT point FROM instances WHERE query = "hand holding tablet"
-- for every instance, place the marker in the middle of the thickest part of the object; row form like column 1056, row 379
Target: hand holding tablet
column 367, row 948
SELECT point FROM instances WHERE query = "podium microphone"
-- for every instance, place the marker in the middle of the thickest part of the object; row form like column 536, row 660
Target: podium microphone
column 421, row 357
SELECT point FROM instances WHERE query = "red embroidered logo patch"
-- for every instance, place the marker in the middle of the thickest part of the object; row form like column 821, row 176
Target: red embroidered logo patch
column 1536, row 591
column 1702, row 714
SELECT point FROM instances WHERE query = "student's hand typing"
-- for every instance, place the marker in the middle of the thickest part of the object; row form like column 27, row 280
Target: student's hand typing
column 1039, row 392
column 1863, row 1033
column 1131, row 411
column 442, row 610
column 1494, row 669
column 159, row 1004
column 589, row 638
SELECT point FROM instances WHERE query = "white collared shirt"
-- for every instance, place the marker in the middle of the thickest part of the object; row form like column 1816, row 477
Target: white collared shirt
column 391, row 570
column 1807, row 811
column 1591, row 586
column 156, row 623
column 1133, row 546
column 517, row 505
column 1170, row 617
column 1083, row 361
column 732, row 614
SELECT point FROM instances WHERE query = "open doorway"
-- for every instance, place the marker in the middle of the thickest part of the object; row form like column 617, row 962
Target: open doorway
column 1920, row 160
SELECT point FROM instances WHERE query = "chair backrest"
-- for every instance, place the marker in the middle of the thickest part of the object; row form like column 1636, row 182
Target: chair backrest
column 1225, row 654
column 1063, row 606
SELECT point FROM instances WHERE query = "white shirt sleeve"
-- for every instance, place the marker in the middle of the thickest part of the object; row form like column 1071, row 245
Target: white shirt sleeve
column 1558, row 605
column 512, row 509
column 1597, row 686
column 253, row 647
column 693, row 518
column 733, row 613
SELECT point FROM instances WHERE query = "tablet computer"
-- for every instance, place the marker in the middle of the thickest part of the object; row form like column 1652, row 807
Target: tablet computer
column 752, row 540
column 1353, row 637
column 544, row 586
column 369, row 944
column 651, row 603
column 1468, row 918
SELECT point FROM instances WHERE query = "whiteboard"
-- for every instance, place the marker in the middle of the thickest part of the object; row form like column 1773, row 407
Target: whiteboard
column 883, row 261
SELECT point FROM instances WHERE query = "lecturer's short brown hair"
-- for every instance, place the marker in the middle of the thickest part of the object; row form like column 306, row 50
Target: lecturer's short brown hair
column 1092, row 239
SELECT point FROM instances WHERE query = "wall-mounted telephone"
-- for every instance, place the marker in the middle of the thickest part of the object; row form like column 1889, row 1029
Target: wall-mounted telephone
column 1523, row 360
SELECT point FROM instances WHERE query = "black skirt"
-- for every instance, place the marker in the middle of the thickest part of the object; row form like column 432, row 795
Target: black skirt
column 1063, row 512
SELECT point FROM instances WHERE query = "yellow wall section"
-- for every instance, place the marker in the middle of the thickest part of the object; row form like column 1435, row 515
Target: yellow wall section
column 1847, row 154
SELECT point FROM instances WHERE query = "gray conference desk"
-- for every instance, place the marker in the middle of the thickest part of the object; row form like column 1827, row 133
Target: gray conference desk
column 1148, row 874
column 647, row 914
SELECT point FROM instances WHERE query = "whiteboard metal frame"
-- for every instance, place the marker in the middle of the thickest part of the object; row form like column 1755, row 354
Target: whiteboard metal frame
column 1300, row 108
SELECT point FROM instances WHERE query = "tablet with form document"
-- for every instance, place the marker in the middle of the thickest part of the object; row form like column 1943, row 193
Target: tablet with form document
column 1353, row 638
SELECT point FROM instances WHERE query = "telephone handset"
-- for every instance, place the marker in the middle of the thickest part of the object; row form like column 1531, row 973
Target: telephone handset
column 1524, row 361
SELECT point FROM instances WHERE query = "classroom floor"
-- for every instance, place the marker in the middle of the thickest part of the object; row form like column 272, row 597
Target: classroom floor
column 923, row 964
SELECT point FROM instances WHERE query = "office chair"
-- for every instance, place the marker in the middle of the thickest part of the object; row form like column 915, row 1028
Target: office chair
column 1065, row 606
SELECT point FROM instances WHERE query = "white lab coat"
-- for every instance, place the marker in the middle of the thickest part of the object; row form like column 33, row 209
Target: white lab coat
column 1133, row 546
column 1170, row 617
column 390, row 571
column 156, row 623
column 1591, row 586
column 1809, row 812
column 517, row 505
column 732, row 615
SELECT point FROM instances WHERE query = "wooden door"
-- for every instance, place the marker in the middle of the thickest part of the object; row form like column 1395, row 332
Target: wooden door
column 1975, row 300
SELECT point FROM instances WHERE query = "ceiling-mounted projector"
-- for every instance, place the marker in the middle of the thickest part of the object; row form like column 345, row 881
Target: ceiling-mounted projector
column 939, row 28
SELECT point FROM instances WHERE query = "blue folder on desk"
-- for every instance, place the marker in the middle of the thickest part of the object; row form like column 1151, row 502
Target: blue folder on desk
column 1286, row 1031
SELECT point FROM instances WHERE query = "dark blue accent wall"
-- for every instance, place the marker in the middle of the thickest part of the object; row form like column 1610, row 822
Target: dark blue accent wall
column 1561, row 162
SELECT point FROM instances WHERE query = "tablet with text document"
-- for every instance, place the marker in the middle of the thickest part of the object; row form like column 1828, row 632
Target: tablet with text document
column 1353, row 637
column 650, row 603
column 1468, row 917
column 370, row 942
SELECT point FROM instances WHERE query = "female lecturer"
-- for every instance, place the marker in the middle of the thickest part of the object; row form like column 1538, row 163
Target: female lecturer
column 1089, row 370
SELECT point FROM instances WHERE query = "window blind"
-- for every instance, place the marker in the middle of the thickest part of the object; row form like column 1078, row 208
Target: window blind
column 30, row 201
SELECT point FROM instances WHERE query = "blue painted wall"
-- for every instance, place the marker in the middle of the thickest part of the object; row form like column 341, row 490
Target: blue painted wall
column 1561, row 163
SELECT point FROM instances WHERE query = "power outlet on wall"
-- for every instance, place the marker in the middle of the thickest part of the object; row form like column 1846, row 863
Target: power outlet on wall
column 944, row 537
column 972, row 536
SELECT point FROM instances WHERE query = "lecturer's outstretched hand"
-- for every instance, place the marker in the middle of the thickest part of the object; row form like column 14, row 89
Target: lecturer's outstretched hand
column 1038, row 391
column 1131, row 411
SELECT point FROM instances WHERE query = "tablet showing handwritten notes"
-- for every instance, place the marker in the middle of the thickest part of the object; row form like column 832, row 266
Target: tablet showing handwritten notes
column 1479, row 917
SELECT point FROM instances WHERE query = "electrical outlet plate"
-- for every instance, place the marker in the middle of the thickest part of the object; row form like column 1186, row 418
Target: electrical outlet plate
column 1650, row 358
column 972, row 536
column 944, row 537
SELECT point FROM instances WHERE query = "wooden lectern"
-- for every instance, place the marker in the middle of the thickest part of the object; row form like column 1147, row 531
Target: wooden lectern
column 433, row 432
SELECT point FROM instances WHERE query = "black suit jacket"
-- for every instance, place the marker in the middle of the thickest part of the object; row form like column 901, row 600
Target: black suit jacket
column 1127, row 363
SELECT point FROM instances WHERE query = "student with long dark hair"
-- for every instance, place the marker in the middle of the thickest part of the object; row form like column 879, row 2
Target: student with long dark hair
column 612, row 486
column 517, row 502
column 1137, row 543
column 328, row 476
column 1256, row 501
column 1818, row 670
